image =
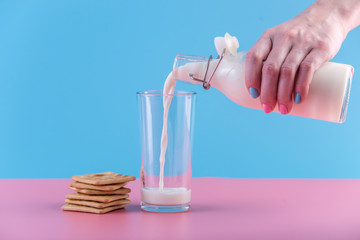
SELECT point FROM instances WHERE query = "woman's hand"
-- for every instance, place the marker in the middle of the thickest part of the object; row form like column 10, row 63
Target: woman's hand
column 280, row 66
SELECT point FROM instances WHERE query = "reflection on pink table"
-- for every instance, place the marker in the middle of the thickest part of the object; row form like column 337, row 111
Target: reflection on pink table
column 221, row 209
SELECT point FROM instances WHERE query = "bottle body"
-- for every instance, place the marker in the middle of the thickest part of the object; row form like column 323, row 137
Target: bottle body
column 328, row 92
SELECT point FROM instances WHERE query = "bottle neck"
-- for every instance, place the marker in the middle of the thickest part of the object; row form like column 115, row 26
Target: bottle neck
column 204, row 71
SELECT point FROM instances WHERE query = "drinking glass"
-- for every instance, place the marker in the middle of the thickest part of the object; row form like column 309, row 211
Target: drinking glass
column 175, row 194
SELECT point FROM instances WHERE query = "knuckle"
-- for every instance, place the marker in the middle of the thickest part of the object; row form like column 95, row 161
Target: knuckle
column 291, row 34
column 298, row 52
column 309, row 38
column 286, row 35
column 270, row 68
column 287, row 70
column 323, row 44
column 252, row 56
column 308, row 41
column 267, row 32
column 307, row 65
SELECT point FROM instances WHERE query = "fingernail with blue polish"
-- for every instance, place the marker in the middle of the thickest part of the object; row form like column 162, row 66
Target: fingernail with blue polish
column 297, row 98
column 254, row 92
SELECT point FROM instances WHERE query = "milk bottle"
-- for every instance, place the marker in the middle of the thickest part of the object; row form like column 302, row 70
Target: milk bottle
column 328, row 93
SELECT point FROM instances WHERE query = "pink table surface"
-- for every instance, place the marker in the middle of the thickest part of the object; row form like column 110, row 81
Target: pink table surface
column 221, row 209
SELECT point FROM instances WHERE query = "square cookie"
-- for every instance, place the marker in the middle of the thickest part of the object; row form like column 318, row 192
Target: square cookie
column 103, row 178
column 96, row 198
column 110, row 187
column 79, row 208
column 98, row 204
column 97, row 192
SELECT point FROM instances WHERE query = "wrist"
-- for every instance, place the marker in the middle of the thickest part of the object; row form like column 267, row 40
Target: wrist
column 343, row 12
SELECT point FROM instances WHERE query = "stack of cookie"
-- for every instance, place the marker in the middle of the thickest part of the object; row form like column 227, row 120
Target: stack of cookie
column 98, row 192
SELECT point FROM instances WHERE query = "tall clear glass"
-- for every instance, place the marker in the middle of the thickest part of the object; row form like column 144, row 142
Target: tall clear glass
column 175, row 194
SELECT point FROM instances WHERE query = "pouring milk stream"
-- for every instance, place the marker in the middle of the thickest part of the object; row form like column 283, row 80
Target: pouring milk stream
column 327, row 99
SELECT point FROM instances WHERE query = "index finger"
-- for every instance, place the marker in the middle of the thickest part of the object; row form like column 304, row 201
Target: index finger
column 253, row 64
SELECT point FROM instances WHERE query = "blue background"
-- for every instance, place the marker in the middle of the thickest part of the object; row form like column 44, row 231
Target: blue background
column 69, row 71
